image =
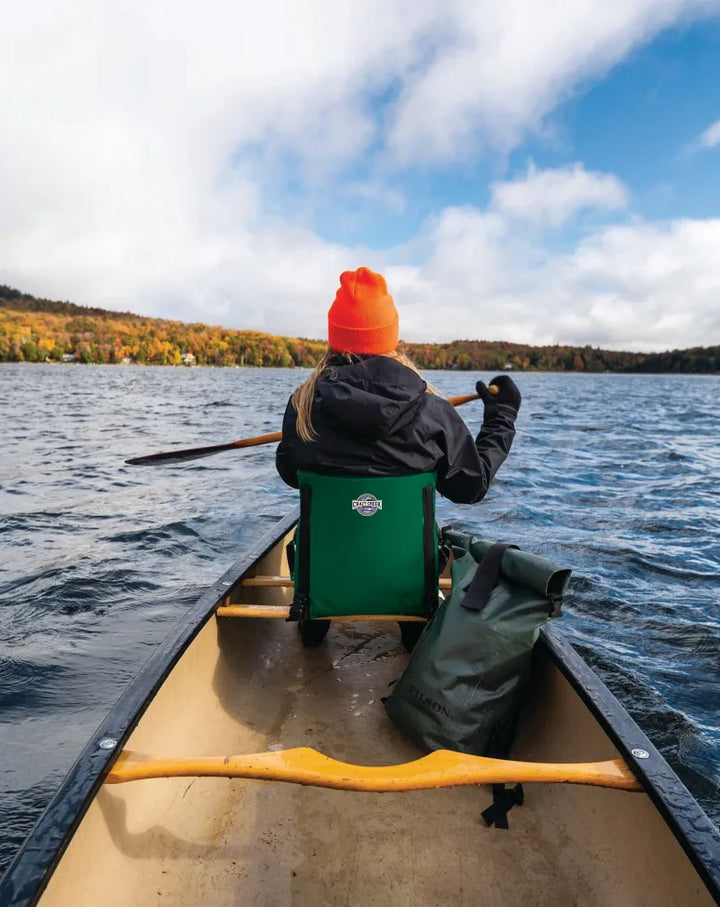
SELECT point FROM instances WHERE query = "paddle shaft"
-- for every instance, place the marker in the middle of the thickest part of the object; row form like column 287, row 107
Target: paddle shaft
column 195, row 453
column 443, row 768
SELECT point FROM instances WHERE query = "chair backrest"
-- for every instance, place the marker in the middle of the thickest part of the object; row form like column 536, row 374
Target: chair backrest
column 366, row 546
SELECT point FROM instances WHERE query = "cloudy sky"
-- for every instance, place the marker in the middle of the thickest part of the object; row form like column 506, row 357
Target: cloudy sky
column 537, row 172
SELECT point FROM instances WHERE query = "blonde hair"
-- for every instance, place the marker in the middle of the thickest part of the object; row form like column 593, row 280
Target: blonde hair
column 304, row 395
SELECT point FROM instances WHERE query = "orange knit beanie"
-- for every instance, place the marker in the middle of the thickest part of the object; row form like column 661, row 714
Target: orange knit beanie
column 363, row 317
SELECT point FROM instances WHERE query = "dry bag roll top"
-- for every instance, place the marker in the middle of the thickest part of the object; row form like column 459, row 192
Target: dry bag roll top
column 464, row 682
column 365, row 546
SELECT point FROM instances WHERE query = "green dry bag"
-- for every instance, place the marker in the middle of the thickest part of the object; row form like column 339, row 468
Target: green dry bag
column 365, row 545
column 462, row 686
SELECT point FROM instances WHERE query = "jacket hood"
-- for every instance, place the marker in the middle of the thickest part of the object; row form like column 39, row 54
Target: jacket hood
column 372, row 398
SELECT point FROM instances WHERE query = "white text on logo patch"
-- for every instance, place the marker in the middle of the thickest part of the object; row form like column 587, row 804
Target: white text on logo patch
column 367, row 504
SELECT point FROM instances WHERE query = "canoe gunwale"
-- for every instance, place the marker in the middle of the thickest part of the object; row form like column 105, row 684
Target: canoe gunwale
column 692, row 828
column 32, row 866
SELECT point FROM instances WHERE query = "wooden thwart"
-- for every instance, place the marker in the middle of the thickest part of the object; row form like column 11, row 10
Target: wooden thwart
column 264, row 582
column 442, row 768
column 283, row 611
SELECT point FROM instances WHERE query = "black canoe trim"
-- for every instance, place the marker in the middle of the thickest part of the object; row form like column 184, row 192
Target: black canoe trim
column 693, row 829
column 32, row 867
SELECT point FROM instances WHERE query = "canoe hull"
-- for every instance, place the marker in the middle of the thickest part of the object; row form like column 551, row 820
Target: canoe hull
column 222, row 686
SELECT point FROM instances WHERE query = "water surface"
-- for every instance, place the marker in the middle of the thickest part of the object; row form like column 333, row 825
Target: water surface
column 615, row 476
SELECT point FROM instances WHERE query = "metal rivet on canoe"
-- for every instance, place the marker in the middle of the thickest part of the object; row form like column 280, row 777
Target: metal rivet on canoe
column 107, row 743
column 640, row 754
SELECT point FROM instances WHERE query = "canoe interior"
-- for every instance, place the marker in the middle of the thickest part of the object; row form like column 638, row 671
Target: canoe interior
column 247, row 685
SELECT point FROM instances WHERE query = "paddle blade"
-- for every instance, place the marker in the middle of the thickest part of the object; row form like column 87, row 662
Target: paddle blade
column 178, row 456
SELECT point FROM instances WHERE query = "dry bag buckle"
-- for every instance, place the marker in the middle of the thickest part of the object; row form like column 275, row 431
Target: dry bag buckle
column 555, row 609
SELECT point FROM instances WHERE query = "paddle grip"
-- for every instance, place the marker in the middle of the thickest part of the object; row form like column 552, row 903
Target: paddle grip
column 467, row 398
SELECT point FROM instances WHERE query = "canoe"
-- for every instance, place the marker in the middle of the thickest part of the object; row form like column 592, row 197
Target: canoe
column 233, row 681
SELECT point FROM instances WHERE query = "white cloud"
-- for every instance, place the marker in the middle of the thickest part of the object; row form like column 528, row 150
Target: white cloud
column 554, row 196
column 710, row 138
column 647, row 286
column 504, row 66
column 636, row 286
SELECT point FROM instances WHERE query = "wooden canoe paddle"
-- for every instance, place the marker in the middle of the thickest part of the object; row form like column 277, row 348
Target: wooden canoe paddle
column 195, row 453
column 304, row 765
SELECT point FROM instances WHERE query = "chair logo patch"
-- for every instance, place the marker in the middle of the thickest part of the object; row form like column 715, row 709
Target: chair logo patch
column 367, row 504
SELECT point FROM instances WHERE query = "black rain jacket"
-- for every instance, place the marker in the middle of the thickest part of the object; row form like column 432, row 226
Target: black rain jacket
column 373, row 417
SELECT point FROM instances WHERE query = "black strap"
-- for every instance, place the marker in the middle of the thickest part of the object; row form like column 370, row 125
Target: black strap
column 429, row 552
column 486, row 576
column 300, row 608
column 504, row 798
column 290, row 554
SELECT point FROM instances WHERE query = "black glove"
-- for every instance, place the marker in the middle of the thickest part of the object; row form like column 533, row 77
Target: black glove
column 508, row 393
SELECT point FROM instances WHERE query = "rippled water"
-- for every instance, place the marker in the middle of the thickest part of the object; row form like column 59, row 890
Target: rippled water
column 615, row 476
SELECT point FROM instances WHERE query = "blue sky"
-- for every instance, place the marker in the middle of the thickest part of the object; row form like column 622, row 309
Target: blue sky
column 640, row 120
column 518, row 171
column 637, row 122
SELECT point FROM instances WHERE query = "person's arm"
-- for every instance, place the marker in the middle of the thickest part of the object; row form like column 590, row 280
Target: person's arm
column 468, row 466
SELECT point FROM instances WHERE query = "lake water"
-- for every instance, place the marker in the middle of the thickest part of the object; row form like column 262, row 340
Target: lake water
column 615, row 476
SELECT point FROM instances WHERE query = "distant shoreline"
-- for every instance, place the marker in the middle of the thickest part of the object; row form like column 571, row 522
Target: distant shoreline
column 37, row 330
column 261, row 368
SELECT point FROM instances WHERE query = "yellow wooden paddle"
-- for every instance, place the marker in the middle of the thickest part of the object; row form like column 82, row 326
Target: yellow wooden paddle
column 195, row 453
column 443, row 768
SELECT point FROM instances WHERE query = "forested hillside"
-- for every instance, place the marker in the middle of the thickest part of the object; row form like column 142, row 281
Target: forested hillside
column 40, row 330
column 36, row 330
column 494, row 355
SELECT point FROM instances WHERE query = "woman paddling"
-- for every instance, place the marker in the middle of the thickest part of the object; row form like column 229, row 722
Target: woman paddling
column 365, row 410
